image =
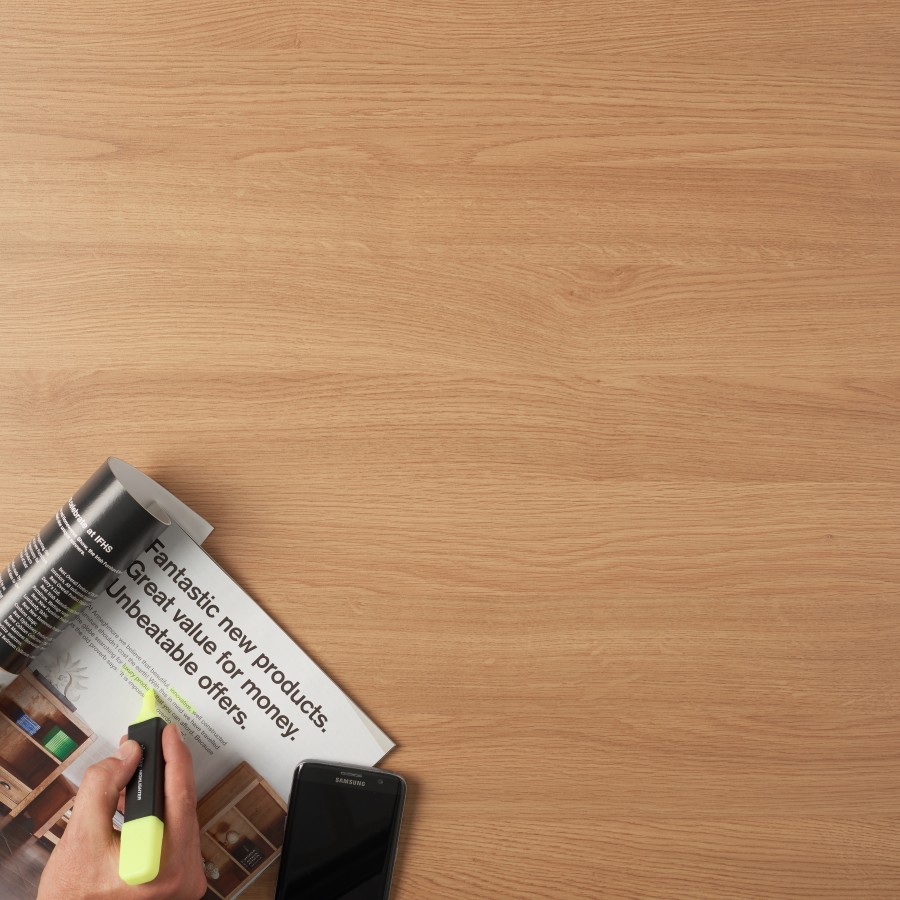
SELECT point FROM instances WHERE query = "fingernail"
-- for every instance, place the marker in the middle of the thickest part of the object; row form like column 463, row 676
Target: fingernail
column 178, row 733
column 127, row 750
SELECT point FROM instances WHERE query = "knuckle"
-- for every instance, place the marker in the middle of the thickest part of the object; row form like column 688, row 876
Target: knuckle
column 169, row 884
column 97, row 774
column 200, row 886
column 176, row 884
column 186, row 797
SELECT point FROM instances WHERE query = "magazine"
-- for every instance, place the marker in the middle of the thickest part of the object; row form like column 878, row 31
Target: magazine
column 85, row 630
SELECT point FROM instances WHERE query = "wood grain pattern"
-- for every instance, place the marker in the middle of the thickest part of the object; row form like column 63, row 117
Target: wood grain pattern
column 538, row 363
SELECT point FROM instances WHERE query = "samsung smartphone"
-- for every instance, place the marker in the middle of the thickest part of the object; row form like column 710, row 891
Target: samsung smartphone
column 342, row 829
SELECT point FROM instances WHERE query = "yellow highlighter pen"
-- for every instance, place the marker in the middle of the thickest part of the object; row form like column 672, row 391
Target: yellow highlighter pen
column 142, row 832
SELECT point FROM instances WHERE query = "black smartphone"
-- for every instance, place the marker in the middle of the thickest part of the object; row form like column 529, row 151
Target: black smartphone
column 342, row 829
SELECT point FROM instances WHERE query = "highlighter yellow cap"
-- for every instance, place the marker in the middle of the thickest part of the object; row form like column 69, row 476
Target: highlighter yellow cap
column 140, row 850
column 148, row 708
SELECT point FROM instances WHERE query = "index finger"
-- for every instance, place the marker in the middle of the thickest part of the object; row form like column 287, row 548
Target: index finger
column 180, row 790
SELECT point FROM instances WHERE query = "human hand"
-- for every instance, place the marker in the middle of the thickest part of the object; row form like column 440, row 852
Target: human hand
column 85, row 864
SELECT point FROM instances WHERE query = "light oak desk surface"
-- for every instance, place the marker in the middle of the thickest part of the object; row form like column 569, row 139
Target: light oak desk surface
column 538, row 364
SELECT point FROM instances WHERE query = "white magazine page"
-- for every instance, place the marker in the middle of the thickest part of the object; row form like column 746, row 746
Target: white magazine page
column 240, row 689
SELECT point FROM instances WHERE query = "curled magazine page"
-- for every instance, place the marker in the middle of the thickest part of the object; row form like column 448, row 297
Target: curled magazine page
column 67, row 565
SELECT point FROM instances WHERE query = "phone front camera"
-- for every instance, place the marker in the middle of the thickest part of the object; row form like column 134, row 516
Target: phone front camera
column 381, row 781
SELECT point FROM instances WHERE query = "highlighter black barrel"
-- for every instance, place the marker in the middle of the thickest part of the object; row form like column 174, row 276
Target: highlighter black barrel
column 144, row 793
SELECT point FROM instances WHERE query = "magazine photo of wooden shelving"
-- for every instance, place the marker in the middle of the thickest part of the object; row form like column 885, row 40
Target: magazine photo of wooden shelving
column 39, row 738
column 49, row 811
column 242, row 823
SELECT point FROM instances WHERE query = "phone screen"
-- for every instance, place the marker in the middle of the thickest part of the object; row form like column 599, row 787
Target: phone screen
column 341, row 834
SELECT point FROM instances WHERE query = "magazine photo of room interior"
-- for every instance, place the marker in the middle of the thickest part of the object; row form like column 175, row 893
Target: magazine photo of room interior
column 242, row 822
column 40, row 737
column 242, row 818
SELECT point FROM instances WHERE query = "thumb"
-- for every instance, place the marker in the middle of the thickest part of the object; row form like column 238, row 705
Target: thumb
column 98, row 793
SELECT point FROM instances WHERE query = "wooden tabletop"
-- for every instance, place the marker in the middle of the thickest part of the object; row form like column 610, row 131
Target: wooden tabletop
column 538, row 365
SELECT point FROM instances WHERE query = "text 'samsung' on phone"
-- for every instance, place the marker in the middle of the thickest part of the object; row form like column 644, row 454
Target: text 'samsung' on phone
column 341, row 836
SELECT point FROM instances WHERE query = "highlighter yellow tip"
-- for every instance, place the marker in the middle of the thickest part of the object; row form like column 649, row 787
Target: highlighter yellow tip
column 140, row 850
column 148, row 707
